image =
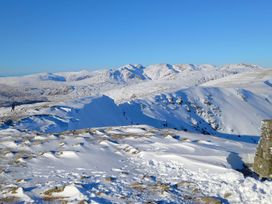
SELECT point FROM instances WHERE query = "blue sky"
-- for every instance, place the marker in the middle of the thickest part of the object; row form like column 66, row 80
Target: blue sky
column 59, row 35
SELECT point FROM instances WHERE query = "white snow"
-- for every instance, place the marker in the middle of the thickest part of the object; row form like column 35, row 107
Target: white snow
column 104, row 167
column 163, row 133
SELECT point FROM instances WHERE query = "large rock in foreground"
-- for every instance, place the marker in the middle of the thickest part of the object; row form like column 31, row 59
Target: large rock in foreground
column 263, row 158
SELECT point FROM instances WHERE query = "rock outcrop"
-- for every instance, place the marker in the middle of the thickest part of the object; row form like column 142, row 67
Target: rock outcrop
column 263, row 157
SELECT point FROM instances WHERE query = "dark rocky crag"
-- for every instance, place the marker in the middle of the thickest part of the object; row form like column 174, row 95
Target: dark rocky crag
column 263, row 157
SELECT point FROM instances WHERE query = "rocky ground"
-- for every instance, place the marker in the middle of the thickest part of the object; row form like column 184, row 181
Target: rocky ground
column 127, row 164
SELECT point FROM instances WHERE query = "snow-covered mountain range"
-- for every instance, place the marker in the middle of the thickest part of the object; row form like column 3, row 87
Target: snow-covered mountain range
column 201, row 98
column 198, row 122
column 62, row 86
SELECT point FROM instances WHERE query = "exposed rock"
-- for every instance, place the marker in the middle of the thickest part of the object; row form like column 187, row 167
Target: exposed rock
column 263, row 158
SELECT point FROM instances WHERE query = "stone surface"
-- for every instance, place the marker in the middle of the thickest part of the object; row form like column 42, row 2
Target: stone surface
column 263, row 157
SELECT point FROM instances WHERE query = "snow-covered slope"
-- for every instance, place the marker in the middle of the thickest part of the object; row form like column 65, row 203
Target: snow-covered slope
column 127, row 165
column 204, row 109
column 72, row 115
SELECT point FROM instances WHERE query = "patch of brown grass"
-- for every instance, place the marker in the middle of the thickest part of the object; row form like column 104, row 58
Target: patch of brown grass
column 157, row 187
column 10, row 199
column 54, row 190
column 227, row 194
column 138, row 186
column 208, row 200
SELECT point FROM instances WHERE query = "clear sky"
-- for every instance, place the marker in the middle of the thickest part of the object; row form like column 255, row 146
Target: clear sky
column 59, row 35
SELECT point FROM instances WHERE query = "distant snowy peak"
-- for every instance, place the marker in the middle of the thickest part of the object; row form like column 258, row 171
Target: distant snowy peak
column 76, row 76
column 132, row 66
column 85, row 75
column 51, row 77
column 63, row 76
column 128, row 72
column 167, row 71
column 193, row 67
column 237, row 68
column 159, row 71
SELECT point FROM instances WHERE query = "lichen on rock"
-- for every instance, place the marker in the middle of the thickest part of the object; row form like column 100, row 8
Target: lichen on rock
column 263, row 157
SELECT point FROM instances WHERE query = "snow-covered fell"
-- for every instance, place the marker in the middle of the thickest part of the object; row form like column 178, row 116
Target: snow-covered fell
column 162, row 133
